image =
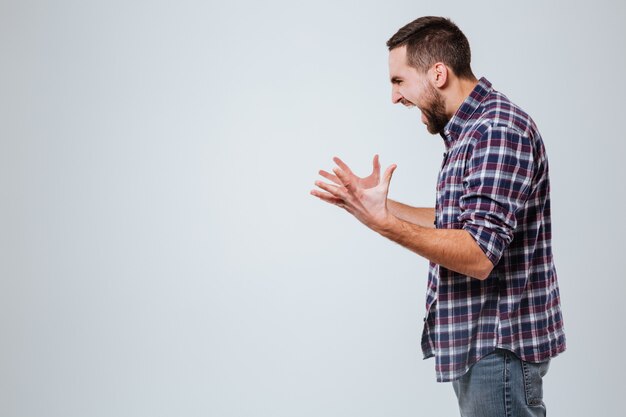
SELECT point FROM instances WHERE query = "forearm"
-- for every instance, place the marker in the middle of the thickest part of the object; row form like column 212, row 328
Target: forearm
column 422, row 216
column 454, row 249
column 411, row 227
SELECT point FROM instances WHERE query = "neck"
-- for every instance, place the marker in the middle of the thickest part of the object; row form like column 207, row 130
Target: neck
column 459, row 89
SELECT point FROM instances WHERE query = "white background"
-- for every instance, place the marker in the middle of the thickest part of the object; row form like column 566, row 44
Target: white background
column 160, row 253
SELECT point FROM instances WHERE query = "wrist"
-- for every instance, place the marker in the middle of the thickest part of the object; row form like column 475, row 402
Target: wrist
column 386, row 226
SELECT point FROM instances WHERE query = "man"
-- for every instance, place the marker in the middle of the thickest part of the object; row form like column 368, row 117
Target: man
column 493, row 317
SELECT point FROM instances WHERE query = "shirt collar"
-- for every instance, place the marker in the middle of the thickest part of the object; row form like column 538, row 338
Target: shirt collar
column 453, row 128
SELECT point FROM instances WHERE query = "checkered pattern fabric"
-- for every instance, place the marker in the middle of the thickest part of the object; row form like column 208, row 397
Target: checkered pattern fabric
column 494, row 184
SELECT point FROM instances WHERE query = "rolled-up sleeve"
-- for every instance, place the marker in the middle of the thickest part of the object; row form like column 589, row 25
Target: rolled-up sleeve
column 496, row 186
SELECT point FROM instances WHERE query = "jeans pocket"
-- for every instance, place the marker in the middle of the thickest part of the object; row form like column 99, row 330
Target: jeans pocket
column 533, row 381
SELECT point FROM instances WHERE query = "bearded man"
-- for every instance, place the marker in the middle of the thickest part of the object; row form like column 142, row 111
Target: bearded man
column 493, row 317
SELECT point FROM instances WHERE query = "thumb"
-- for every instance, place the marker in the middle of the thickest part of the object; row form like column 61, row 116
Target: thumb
column 388, row 174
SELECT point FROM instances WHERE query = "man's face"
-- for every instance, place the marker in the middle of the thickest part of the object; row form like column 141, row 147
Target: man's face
column 413, row 88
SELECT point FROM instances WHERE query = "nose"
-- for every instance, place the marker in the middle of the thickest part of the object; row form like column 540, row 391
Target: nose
column 396, row 97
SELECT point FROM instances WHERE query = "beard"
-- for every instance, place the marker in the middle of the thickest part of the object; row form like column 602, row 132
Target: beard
column 435, row 112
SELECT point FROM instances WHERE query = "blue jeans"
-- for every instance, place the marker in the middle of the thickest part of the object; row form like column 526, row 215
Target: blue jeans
column 502, row 385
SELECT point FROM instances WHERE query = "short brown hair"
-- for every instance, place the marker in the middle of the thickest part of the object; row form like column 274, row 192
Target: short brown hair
column 432, row 39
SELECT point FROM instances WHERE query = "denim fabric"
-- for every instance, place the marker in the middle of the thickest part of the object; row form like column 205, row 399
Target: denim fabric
column 502, row 385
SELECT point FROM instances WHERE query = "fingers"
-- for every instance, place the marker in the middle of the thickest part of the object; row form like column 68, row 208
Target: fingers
column 334, row 190
column 330, row 176
column 375, row 165
column 329, row 198
column 342, row 165
column 344, row 179
column 388, row 174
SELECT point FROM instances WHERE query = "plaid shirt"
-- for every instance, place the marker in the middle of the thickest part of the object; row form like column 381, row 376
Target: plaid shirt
column 494, row 184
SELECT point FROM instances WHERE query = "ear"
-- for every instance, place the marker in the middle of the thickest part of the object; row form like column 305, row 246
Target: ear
column 440, row 74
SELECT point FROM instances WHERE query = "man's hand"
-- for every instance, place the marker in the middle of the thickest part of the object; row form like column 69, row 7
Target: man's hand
column 370, row 181
column 364, row 198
